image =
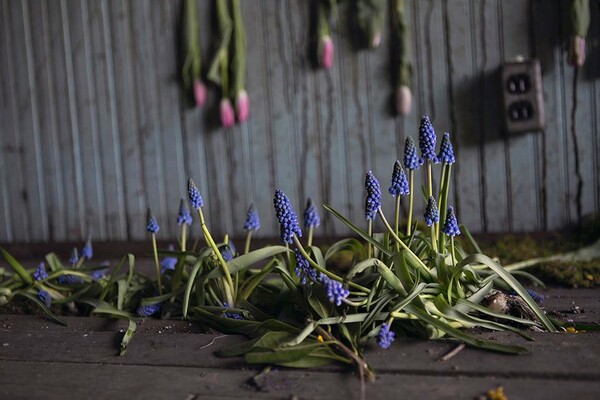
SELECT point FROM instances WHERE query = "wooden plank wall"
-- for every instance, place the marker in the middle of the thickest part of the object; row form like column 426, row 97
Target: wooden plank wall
column 94, row 127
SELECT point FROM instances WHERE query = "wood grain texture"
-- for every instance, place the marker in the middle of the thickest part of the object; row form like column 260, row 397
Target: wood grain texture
column 95, row 125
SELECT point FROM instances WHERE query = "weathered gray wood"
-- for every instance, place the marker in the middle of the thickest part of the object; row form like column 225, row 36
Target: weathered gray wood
column 115, row 381
column 96, row 127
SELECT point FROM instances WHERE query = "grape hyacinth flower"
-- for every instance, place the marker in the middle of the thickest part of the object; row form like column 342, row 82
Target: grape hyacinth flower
column 242, row 105
column 311, row 216
column 184, row 216
column 226, row 113
column 69, row 279
column 86, row 250
column 427, row 140
column 251, row 224
column 252, row 221
column 326, row 52
column 373, row 200
column 231, row 315
column 385, row 337
column 40, row 273
column 411, row 160
column 98, row 274
column 450, row 227
column 335, row 291
column 44, row 297
column 167, row 264
column 432, row 215
column 286, row 216
column 537, row 297
column 399, row 185
column 74, row 256
column 151, row 224
column 199, row 90
column 147, row 311
column 194, row 195
column 227, row 252
column 446, row 151
column 303, row 269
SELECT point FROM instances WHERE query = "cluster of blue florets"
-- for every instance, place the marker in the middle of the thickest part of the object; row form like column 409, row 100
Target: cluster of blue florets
column 303, row 269
column 385, row 337
column 44, row 297
column 194, row 195
column 450, row 227
column 334, row 289
column 147, row 311
column 184, row 216
column 432, row 214
column 446, row 151
column 252, row 221
column 373, row 200
column 286, row 216
column 40, row 272
column 427, row 140
column 86, row 250
column 151, row 224
column 311, row 216
column 411, row 160
column 399, row 185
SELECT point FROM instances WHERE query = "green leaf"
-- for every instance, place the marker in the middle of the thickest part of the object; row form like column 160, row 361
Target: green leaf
column 346, row 244
column 16, row 266
column 42, row 306
column 383, row 270
column 190, row 284
column 127, row 337
column 470, row 239
column 247, row 260
column 53, row 262
column 252, row 282
column 514, row 284
column 282, row 355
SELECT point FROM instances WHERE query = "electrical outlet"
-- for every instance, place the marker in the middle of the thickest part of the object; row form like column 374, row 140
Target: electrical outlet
column 523, row 99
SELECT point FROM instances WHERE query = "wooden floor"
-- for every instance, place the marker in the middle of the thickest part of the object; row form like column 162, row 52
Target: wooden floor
column 171, row 360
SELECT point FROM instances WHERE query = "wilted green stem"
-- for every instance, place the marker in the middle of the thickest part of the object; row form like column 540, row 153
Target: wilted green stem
column 155, row 250
column 310, row 236
column 370, row 232
column 228, row 284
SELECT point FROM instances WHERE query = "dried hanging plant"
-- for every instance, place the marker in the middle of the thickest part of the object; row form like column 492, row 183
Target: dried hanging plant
column 580, row 23
column 238, row 64
column 403, row 70
column 370, row 20
column 325, row 9
column 191, row 71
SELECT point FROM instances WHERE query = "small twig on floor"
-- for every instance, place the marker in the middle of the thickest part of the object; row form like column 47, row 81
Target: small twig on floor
column 212, row 341
column 453, row 352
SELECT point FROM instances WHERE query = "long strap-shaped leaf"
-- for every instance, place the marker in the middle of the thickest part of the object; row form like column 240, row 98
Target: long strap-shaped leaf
column 512, row 282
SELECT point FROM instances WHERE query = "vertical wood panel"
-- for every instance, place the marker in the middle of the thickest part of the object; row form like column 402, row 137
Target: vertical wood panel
column 96, row 127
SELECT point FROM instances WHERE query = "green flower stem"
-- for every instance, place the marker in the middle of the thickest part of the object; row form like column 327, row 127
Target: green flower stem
column 443, row 196
column 402, row 315
column 247, row 245
column 370, row 232
column 430, row 193
column 353, row 304
column 452, row 251
column 155, row 250
column 183, row 236
column 228, row 284
column 397, row 220
column 401, row 243
column 411, row 175
column 323, row 270
column 310, row 236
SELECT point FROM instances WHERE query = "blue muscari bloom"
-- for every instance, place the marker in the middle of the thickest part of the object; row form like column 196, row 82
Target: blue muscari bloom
column 228, row 251
column 373, row 200
column 537, row 297
column 446, row 151
column 411, row 160
column 146, row 311
column 450, row 227
column 399, row 185
column 86, row 250
column 431, row 212
column 385, row 337
column 151, row 224
column 184, row 216
column 286, row 216
column 69, row 280
column 427, row 140
column 74, row 256
column 231, row 315
column 194, row 195
column 167, row 264
column 98, row 274
column 40, row 272
column 335, row 291
column 303, row 269
column 252, row 221
column 45, row 298
column 311, row 216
